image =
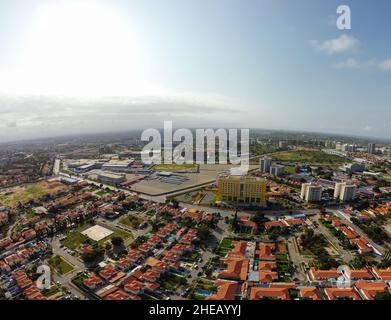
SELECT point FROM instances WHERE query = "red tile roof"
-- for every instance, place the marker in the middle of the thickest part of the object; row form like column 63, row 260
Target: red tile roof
column 342, row 294
column 369, row 289
column 227, row 290
column 310, row 293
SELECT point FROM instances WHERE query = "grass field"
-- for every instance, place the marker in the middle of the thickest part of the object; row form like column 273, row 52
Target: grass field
column 26, row 193
column 308, row 156
column 60, row 265
column 174, row 167
column 75, row 238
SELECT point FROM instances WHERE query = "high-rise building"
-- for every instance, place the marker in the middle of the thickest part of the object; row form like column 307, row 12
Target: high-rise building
column 371, row 148
column 264, row 164
column 345, row 192
column 242, row 189
column 311, row 192
column 277, row 170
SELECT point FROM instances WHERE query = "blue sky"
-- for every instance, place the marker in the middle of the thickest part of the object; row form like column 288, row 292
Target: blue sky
column 119, row 64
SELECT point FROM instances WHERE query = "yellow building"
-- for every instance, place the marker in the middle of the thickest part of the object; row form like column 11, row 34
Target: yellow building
column 242, row 189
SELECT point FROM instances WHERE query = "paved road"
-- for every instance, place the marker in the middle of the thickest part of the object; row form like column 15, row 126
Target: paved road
column 361, row 233
column 345, row 255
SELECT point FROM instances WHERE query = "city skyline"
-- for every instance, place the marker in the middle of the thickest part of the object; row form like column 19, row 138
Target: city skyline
column 106, row 66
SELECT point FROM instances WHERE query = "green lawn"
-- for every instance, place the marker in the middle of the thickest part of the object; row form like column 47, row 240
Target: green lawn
column 311, row 156
column 60, row 265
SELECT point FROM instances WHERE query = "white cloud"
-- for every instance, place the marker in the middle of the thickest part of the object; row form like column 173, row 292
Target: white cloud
column 39, row 116
column 385, row 65
column 344, row 43
column 350, row 63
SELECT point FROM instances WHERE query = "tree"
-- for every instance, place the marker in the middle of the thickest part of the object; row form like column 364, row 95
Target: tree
column 90, row 257
column 235, row 221
column 117, row 241
column 383, row 296
column 203, row 233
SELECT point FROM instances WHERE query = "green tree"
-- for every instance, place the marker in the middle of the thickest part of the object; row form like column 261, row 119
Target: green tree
column 117, row 241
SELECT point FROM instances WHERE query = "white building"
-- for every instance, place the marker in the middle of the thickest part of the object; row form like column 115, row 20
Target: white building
column 345, row 192
column 277, row 170
column 311, row 192
column 265, row 164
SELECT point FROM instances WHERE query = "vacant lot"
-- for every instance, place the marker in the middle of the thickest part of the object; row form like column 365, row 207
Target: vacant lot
column 29, row 192
column 131, row 221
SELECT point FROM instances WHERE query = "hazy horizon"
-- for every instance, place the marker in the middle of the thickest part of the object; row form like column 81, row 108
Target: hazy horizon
column 71, row 67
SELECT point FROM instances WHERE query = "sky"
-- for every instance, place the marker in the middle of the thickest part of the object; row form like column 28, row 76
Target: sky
column 106, row 65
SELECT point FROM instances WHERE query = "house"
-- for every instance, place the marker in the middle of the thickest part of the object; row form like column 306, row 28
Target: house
column 238, row 251
column 266, row 251
column 119, row 295
column 362, row 245
column 135, row 286
column 368, row 290
column 267, row 265
column 309, row 293
column 29, row 234
column 236, row 269
column 362, row 274
column 226, row 290
column 267, row 276
column 349, row 233
column 342, row 294
column 124, row 264
column 274, row 224
column 260, row 293
column 382, row 274
column 93, row 282
column 315, row 274
column 108, row 272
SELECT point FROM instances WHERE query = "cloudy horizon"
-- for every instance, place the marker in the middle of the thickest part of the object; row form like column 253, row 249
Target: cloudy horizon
column 100, row 66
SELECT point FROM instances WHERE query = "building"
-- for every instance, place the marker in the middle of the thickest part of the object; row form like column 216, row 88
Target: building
column 242, row 189
column 117, row 165
column 353, row 167
column 265, row 164
column 106, row 177
column 282, row 144
column 371, row 148
column 311, row 192
column 277, row 170
column 345, row 192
